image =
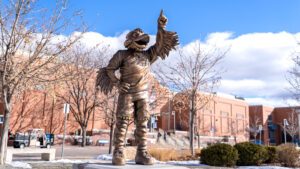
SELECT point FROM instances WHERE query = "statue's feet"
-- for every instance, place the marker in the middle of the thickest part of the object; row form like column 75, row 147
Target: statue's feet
column 118, row 158
column 144, row 158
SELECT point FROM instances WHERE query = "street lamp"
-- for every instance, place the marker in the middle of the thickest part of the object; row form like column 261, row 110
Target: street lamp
column 66, row 111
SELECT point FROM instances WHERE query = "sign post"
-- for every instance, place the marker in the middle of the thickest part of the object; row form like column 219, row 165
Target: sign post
column 66, row 111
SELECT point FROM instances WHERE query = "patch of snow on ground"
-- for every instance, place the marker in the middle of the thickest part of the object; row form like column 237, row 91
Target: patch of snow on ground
column 108, row 157
column 19, row 164
column 263, row 167
column 68, row 161
column 104, row 157
column 185, row 163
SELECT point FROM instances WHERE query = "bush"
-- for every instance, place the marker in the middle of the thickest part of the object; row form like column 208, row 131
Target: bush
column 251, row 154
column 272, row 154
column 288, row 155
column 219, row 155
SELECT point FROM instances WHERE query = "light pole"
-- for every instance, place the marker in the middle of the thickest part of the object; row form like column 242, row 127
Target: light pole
column 66, row 111
column 174, row 120
column 152, row 100
column 169, row 111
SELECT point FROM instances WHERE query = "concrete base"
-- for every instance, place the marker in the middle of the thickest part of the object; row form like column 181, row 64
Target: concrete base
column 127, row 166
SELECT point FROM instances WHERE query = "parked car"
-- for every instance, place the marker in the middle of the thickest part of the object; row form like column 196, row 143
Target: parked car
column 78, row 140
column 21, row 140
column 34, row 138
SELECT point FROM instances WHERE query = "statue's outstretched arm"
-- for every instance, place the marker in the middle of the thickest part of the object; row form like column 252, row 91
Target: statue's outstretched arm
column 165, row 40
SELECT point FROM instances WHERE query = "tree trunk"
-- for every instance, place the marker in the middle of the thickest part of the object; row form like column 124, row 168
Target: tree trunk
column 191, row 126
column 83, row 134
column 5, row 128
column 51, row 119
column 111, row 133
column 198, row 137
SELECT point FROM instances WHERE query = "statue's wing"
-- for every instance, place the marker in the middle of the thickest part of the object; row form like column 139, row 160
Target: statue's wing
column 166, row 41
column 103, row 81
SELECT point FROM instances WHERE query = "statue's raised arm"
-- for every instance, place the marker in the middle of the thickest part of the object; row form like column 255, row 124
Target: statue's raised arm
column 165, row 40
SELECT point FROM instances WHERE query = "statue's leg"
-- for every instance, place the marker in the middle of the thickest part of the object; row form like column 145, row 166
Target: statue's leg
column 124, row 109
column 141, row 118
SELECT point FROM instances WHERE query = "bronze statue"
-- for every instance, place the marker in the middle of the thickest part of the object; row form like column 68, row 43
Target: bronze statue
column 134, row 65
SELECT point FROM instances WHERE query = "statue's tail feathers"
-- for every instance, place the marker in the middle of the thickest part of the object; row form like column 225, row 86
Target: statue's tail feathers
column 103, row 81
column 170, row 41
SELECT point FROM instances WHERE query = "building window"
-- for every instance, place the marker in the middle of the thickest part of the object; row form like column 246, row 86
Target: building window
column 270, row 119
column 225, row 122
column 240, row 118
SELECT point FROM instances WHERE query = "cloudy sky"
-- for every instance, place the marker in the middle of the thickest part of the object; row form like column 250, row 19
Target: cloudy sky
column 262, row 37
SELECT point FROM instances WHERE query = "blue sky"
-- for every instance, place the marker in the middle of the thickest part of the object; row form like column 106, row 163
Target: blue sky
column 192, row 19
column 262, row 35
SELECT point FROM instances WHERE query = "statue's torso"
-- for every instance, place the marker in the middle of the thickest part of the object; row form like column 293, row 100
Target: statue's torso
column 135, row 69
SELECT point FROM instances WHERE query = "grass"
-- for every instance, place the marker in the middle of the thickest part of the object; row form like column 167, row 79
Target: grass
column 169, row 154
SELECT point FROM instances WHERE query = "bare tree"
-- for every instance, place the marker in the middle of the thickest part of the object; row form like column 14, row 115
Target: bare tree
column 255, row 123
column 29, row 49
column 194, row 71
column 180, row 104
column 293, row 78
column 234, row 130
column 25, row 112
column 292, row 128
column 80, row 89
column 110, row 108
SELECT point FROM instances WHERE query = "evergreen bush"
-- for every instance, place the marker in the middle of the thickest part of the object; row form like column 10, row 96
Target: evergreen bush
column 251, row 154
column 219, row 155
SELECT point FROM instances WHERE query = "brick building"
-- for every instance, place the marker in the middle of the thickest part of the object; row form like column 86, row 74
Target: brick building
column 272, row 120
column 38, row 108
column 224, row 117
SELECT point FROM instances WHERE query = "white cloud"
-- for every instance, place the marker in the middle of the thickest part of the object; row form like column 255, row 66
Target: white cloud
column 274, row 102
column 256, row 64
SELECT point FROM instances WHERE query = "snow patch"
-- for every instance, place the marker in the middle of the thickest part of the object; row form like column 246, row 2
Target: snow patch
column 68, row 161
column 19, row 164
column 108, row 157
column 104, row 157
column 263, row 167
column 186, row 163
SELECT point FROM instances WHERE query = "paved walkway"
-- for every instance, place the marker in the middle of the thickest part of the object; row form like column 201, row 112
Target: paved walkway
column 127, row 166
column 70, row 152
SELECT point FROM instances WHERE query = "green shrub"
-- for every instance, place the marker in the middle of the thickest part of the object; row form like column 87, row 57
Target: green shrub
column 272, row 154
column 251, row 154
column 219, row 155
column 288, row 155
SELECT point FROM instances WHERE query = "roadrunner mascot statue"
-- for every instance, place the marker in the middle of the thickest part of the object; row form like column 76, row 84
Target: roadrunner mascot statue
column 134, row 67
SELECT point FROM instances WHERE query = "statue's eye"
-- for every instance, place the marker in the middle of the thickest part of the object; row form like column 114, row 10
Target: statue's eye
column 135, row 34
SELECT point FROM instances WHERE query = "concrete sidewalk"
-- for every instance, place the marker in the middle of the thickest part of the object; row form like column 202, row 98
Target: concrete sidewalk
column 127, row 166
